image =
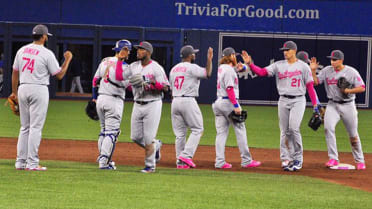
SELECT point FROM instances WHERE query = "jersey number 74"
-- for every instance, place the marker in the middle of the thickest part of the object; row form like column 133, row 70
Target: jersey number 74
column 29, row 64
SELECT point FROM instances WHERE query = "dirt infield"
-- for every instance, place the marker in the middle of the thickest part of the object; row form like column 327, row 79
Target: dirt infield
column 131, row 154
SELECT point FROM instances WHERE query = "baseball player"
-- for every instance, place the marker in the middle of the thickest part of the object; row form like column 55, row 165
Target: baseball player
column 185, row 80
column 227, row 96
column 147, row 103
column 32, row 68
column 110, row 102
column 293, row 77
column 304, row 56
column 341, row 105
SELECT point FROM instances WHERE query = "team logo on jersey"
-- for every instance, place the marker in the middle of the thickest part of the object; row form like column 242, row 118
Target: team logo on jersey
column 332, row 81
column 288, row 74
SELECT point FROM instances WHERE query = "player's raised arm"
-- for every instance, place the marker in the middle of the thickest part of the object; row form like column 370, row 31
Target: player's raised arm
column 208, row 67
column 314, row 64
column 64, row 67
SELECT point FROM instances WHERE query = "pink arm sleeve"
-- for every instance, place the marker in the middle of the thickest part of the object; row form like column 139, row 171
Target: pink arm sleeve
column 95, row 81
column 259, row 71
column 311, row 91
column 156, row 86
column 119, row 71
column 231, row 95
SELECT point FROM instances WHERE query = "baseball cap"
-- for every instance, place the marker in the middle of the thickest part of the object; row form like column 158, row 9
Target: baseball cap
column 188, row 50
column 337, row 55
column 229, row 51
column 41, row 30
column 289, row 45
column 145, row 45
column 304, row 56
column 121, row 44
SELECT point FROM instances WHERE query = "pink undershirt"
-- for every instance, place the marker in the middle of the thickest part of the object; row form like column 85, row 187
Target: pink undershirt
column 231, row 95
column 119, row 71
column 95, row 81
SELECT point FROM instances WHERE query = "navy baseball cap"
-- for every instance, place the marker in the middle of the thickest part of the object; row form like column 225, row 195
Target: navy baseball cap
column 337, row 55
column 229, row 51
column 145, row 45
column 121, row 44
column 187, row 51
column 41, row 30
column 289, row 45
column 304, row 56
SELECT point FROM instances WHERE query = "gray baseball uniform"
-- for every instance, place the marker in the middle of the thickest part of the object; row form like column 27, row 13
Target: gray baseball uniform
column 185, row 80
column 35, row 64
column 222, row 107
column 291, row 80
column 110, row 105
column 341, row 108
column 147, row 107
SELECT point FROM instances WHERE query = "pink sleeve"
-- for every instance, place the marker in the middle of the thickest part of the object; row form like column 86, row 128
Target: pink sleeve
column 259, row 71
column 156, row 86
column 231, row 95
column 311, row 91
column 95, row 81
column 119, row 71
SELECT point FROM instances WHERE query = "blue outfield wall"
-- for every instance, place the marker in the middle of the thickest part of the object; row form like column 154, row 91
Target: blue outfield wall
column 258, row 26
column 300, row 16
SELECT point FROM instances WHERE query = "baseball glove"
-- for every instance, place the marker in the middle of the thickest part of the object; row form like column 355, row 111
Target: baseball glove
column 315, row 121
column 13, row 103
column 91, row 110
column 137, row 80
column 238, row 118
column 343, row 84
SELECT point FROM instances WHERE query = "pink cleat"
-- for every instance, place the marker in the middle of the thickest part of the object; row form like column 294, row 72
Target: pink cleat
column 21, row 168
column 253, row 164
column 331, row 162
column 39, row 168
column 285, row 163
column 226, row 166
column 183, row 167
column 361, row 166
column 188, row 161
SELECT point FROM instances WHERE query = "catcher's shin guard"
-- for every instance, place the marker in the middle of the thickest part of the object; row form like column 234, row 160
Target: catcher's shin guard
column 108, row 147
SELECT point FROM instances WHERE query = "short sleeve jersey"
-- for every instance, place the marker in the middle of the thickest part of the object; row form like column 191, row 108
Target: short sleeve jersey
column 105, row 87
column 152, row 71
column 291, row 79
column 227, row 77
column 329, row 77
column 35, row 64
column 185, row 78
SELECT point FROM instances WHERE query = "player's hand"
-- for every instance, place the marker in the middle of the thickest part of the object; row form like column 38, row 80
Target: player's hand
column 94, row 100
column 13, row 96
column 345, row 91
column 314, row 64
column 210, row 53
column 247, row 59
column 67, row 55
column 240, row 67
column 238, row 110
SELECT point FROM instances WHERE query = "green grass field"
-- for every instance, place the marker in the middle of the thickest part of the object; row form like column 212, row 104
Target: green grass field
column 67, row 120
column 81, row 185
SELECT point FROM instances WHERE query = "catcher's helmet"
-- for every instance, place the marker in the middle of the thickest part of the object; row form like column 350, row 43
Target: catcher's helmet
column 121, row 44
